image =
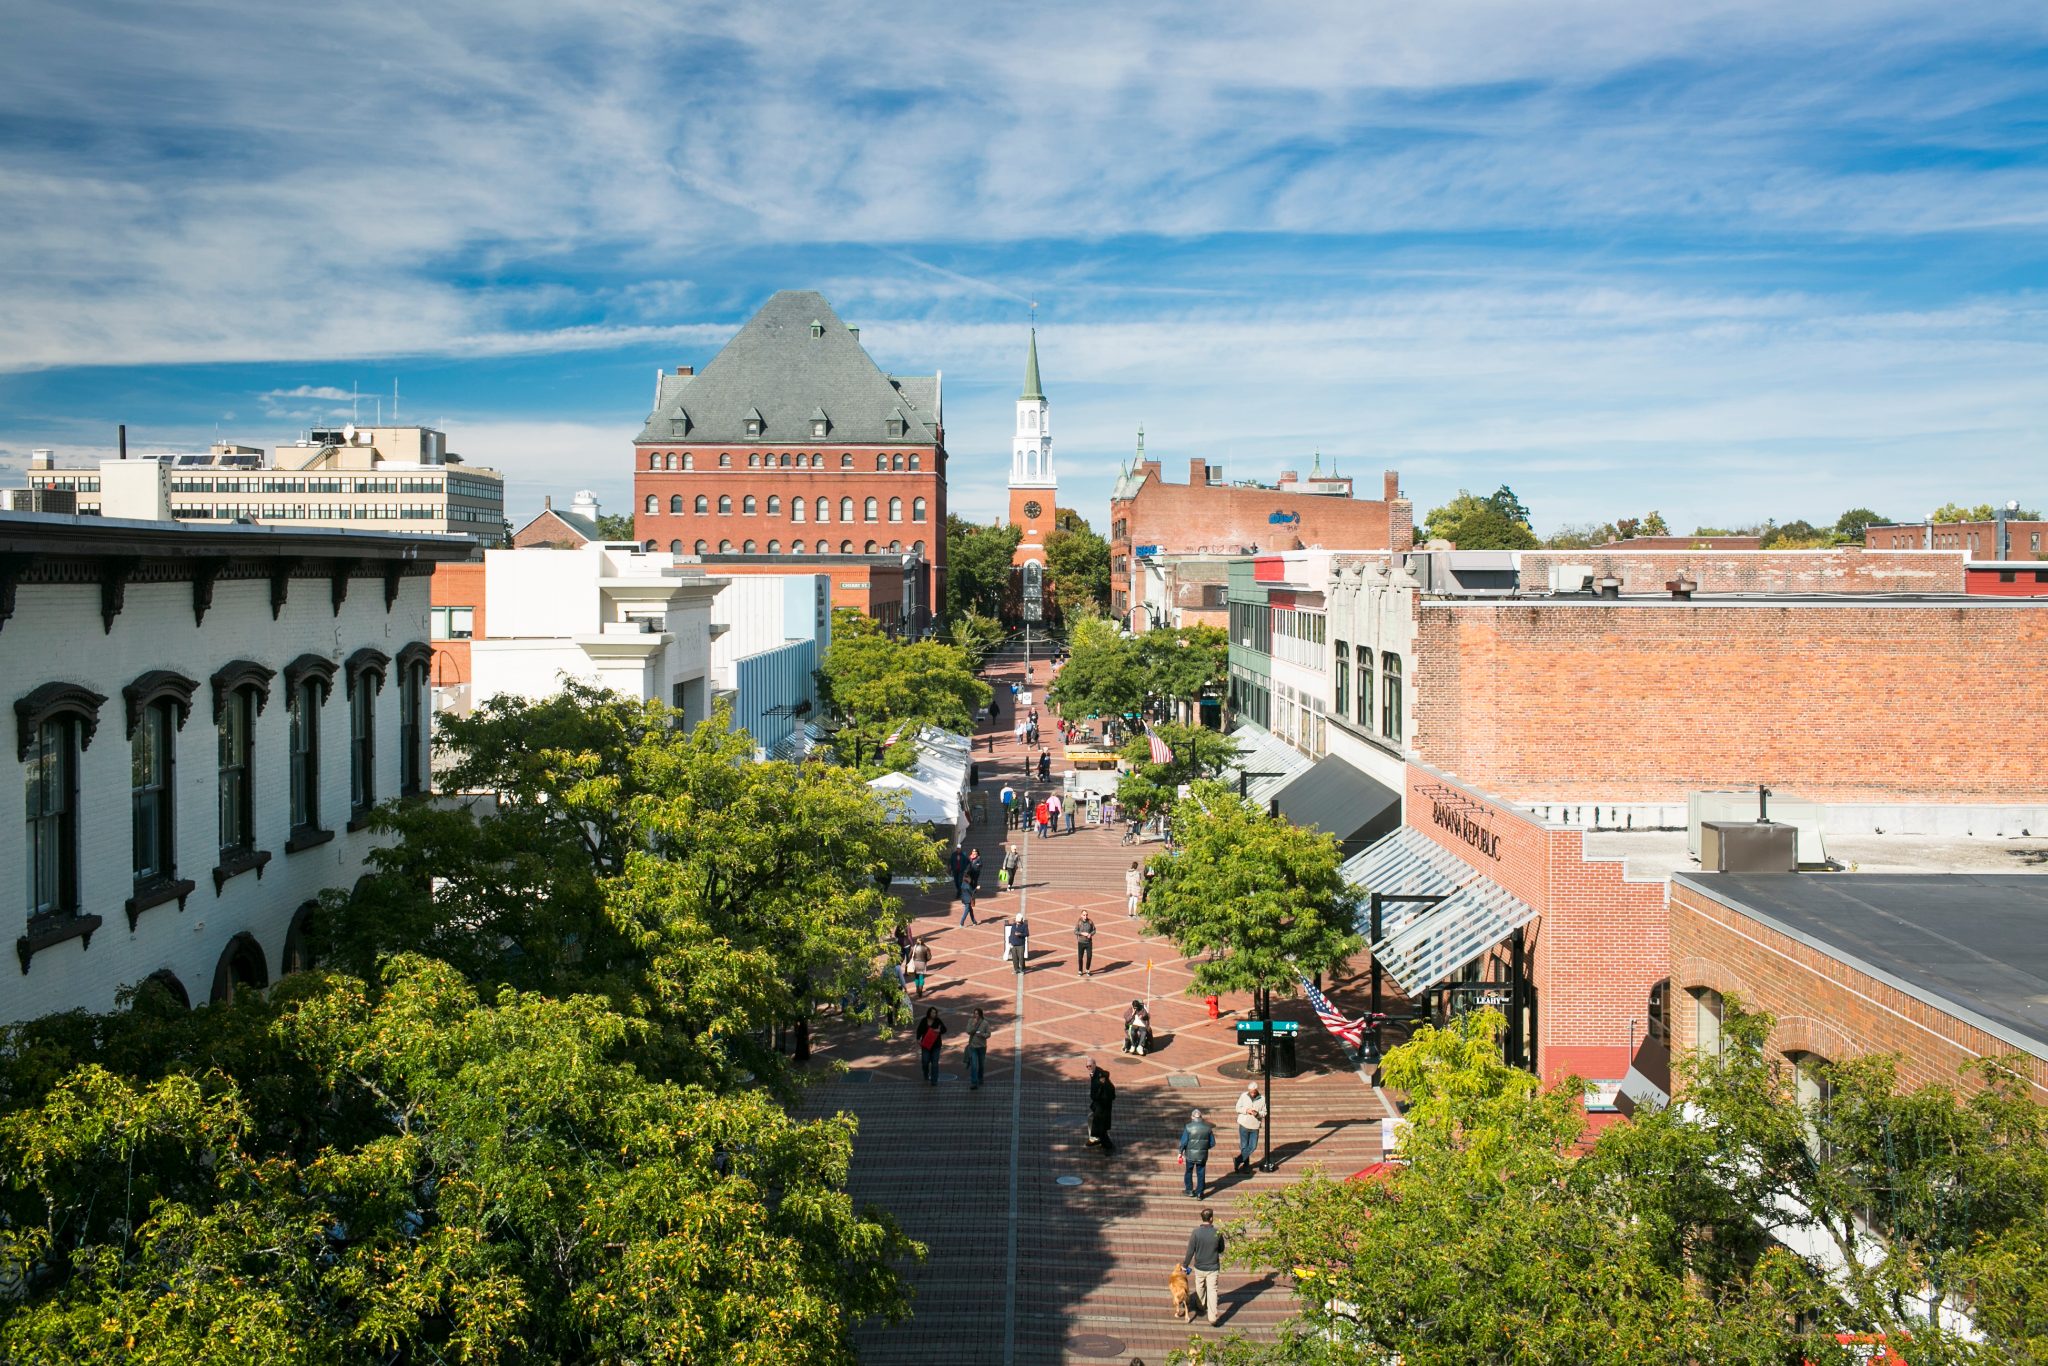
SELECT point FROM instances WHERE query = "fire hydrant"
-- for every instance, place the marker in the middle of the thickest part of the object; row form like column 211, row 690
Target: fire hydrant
column 1215, row 1007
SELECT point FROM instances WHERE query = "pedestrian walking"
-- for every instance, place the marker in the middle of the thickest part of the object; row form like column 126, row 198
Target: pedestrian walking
column 1084, row 945
column 967, row 895
column 903, row 943
column 957, row 861
column 1134, row 887
column 1013, row 863
column 1070, row 820
column 974, row 871
column 1044, row 763
column 1196, row 1139
column 1009, row 800
column 1052, row 811
column 920, row 963
column 1003, row 870
column 1020, row 930
column 1251, row 1113
column 1101, row 1101
column 1009, row 940
column 931, row 1032
column 1204, row 1259
column 1042, row 818
column 977, row 1049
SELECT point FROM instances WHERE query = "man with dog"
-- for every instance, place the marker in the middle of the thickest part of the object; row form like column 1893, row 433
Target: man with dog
column 1204, row 1259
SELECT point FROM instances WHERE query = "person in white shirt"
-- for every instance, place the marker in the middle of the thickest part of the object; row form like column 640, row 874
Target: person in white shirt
column 1251, row 1113
column 1134, row 886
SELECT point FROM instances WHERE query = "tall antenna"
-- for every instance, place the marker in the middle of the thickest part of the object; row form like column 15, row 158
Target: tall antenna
column 394, row 400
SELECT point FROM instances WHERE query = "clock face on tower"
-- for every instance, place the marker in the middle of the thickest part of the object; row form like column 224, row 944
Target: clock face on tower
column 1032, row 509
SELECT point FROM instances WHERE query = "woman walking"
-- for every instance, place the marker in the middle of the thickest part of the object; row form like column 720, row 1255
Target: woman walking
column 920, row 962
column 977, row 1049
column 1134, row 886
column 1101, row 1100
column 974, row 870
column 931, row 1032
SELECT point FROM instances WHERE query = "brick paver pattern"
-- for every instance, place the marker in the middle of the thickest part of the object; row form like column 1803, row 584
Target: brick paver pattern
column 1024, row 1269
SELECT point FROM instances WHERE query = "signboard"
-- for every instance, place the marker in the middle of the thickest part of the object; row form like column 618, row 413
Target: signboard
column 1251, row 1031
column 1601, row 1097
column 1034, row 591
column 1466, row 827
column 1024, row 698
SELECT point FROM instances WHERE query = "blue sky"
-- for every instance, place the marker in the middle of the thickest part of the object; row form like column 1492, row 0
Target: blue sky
column 1755, row 260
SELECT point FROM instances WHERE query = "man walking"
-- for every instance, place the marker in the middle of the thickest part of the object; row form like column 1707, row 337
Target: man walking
column 1195, row 1142
column 967, row 895
column 1009, row 804
column 1020, row 933
column 1070, row 820
column 977, row 1049
column 1204, row 1259
column 1052, row 812
column 957, row 861
column 1084, row 945
column 1251, row 1113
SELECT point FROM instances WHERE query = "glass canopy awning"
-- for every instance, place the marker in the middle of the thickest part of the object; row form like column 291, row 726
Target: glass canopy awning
column 1422, row 943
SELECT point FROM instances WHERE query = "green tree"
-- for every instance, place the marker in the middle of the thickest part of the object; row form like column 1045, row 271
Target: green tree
column 1198, row 753
column 978, row 566
column 1102, row 675
column 1184, row 664
column 1507, row 1236
column 1256, row 902
column 975, row 635
column 1495, row 522
column 1797, row 534
column 615, row 526
column 1078, row 561
column 1850, row 526
column 404, row 1171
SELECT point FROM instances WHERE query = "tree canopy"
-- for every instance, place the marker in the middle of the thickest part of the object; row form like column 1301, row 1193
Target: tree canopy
column 1102, row 675
column 880, row 687
column 1078, row 562
column 1198, row 753
column 978, row 566
column 1257, row 902
column 1497, row 521
column 615, row 526
column 1510, row 1234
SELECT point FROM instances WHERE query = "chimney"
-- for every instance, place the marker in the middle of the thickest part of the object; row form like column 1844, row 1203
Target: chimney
column 42, row 460
column 1288, row 477
column 547, row 502
column 124, row 441
column 1198, row 471
column 1390, row 485
column 686, row 369
column 855, row 331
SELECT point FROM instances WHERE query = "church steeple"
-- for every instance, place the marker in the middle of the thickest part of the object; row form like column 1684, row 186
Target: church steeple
column 1031, row 386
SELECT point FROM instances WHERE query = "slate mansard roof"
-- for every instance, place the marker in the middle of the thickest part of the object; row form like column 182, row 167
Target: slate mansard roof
column 776, row 366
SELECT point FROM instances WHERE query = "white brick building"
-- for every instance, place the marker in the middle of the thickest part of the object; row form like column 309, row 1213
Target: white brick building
column 202, row 719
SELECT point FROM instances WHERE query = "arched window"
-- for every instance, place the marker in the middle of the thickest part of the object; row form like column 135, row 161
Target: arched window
column 870, row 549
column 774, row 547
column 753, row 460
column 846, row 461
column 675, row 504
column 725, row 547
column 747, row 549
column 796, row 509
column 1706, row 1021
column 747, row 505
column 654, row 461
column 675, row 547
column 895, row 547
column 649, row 547
column 1658, row 1015
column 916, row 461
column 846, row 547
column 688, row 461
column 653, row 504
column 917, row 548
column 725, row 505
column 917, row 510
column 1363, row 653
column 774, row 506
column 872, row 508
column 816, row 460
column 1813, row 1086
column 846, row 509
column 725, row 460
column 896, row 462
column 895, row 509
column 703, row 505
column 703, row 546
column 824, row 507
column 881, row 461
column 1390, row 696
column 669, row 461
column 783, row 461
column 796, row 547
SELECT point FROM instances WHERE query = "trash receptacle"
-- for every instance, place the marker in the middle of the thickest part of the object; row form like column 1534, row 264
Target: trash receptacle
column 1283, row 1055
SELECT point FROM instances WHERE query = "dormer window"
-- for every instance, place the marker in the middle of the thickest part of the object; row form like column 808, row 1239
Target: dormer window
column 897, row 422
column 679, row 424
column 817, row 328
column 820, row 424
column 753, row 422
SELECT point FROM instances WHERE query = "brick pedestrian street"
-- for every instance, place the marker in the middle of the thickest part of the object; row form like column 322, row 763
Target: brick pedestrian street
column 1043, row 1249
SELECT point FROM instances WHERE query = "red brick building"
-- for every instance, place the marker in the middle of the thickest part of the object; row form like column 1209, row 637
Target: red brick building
column 1636, row 569
column 456, row 616
column 2006, row 579
column 1643, row 700
column 1149, row 516
column 1936, row 968
column 1686, row 543
column 794, row 447
column 1995, row 540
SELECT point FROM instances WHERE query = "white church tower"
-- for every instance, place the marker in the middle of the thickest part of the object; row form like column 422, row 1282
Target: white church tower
column 1033, row 486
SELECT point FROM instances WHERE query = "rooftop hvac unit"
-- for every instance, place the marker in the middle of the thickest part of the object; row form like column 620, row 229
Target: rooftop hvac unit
column 1571, row 578
column 1741, row 805
column 1748, row 847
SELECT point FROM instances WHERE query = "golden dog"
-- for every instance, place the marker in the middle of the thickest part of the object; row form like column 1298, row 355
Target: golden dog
column 1177, row 1286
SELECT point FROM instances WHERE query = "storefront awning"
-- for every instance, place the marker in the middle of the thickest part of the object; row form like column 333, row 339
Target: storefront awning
column 1265, row 762
column 1648, row 1083
column 1422, row 943
column 1339, row 799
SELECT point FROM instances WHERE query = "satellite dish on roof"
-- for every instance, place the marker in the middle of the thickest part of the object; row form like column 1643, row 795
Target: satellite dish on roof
column 348, row 433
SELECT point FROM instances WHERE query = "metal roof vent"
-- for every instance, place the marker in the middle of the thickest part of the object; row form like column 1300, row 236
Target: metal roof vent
column 1681, row 588
column 1608, row 587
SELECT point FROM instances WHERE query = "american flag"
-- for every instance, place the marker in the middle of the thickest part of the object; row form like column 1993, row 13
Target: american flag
column 1350, row 1031
column 1162, row 753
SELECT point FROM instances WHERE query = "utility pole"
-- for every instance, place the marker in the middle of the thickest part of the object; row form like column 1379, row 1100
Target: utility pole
column 1266, row 1163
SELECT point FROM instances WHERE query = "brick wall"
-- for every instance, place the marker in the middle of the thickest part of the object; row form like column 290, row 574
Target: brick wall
column 456, row 585
column 1844, row 569
column 1822, row 1005
column 1646, row 701
column 1978, row 540
column 1599, row 943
